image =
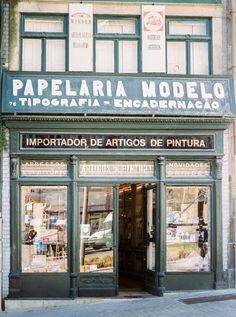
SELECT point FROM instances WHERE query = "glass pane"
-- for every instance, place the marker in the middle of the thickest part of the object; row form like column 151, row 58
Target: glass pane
column 188, row 221
column 128, row 54
column 116, row 168
column 116, row 26
column 44, row 25
column 199, row 58
column 96, row 229
column 188, row 28
column 105, row 56
column 151, row 212
column 176, row 58
column 42, row 168
column 31, row 55
column 44, row 228
column 55, row 55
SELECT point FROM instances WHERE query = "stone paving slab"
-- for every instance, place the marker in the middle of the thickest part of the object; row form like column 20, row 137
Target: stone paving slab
column 170, row 305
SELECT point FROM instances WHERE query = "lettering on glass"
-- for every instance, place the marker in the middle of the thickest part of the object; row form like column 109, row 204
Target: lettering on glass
column 188, row 169
column 116, row 169
column 43, row 168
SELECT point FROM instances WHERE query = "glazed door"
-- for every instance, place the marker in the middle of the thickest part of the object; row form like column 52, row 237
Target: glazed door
column 150, row 238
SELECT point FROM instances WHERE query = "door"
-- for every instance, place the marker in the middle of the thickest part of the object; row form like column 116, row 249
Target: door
column 137, row 234
column 131, row 237
column 150, row 239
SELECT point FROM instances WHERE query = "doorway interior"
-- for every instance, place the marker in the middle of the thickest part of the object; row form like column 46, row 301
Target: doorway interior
column 132, row 257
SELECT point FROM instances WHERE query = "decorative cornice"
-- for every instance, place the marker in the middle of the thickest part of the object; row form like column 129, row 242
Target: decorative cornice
column 169, row 120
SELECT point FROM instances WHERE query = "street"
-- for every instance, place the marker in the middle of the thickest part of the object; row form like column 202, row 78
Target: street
column 220, row 303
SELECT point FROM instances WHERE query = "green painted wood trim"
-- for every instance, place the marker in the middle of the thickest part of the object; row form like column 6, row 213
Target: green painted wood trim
column 217, row 223
column 15, row 220
column 116, row 236
column 164, row 1
column 44, row 36
column 161, row 229
column 189, row 39
column 116, row 38
column 73, row 228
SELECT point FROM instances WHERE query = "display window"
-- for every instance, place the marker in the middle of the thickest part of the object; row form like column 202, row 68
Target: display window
column 188, row 224
column 96, row 229
column 44, row 229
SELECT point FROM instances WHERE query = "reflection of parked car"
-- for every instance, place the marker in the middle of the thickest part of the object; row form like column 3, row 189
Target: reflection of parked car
column 103, row 237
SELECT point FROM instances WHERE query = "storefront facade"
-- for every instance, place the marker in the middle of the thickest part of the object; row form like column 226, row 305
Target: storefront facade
column 116, row 175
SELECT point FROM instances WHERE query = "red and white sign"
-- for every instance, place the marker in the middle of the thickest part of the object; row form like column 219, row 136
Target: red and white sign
column 153, row 39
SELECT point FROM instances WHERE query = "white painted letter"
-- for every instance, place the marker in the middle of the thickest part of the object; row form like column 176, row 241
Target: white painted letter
column 120, row 90
column 178, row 90
column 69, row 92
column 17, row 85
column 219, row 91
column 205, row 95
column 148, row 90
column 164, row 89
column 28, row 88
column 42, row 84
column 84, row 91
column 191, row 86
column 98, row 88
column 55, row 87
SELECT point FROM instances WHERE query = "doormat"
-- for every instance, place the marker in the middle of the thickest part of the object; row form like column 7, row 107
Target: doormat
column 133, row 296
column 199, row 300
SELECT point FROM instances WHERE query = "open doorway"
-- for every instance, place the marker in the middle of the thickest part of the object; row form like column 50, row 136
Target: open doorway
column 131, row 237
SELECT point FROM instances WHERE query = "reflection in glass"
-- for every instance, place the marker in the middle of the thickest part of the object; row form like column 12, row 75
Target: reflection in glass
column 96, row 229
column 188, row 27
column 44, row 228
column 188, row 247
column 151, row 216
column 126, row 26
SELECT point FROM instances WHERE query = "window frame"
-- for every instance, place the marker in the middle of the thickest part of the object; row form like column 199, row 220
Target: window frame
column 188, row 39
column 116, row 37
column 44, row 36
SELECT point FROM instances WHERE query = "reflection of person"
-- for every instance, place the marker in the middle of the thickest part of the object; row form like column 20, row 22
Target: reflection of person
column 29, row 237
column 28, row 249
column 202, row 240
column 58, row 248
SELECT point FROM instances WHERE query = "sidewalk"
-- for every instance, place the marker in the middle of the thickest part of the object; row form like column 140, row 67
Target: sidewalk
column 217, row 303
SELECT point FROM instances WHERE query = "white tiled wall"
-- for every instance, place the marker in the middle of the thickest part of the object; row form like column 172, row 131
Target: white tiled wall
column 6, row 221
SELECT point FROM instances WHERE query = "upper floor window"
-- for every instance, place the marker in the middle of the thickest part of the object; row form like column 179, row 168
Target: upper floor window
column 116, row 45
column 188, row 46
column 44, row 41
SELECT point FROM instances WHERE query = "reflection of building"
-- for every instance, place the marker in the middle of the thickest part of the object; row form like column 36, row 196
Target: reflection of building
column 139, row 115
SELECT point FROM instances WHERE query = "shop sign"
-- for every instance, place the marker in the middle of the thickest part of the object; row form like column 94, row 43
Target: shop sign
column 207, row 96
column 43, row 168
column 153, row 39
column 188, row 169
column 116, row 169
column 80, row 37
column 100, row 141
